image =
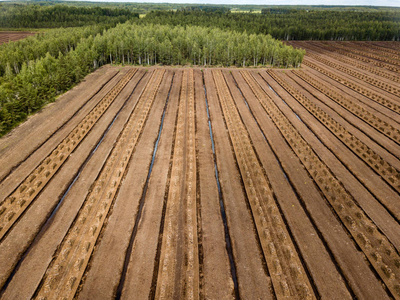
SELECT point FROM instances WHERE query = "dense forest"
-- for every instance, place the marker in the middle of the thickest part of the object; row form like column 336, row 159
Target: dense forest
column 37, row 16
column 54, row 42
column 292, row 24
column 32, row 79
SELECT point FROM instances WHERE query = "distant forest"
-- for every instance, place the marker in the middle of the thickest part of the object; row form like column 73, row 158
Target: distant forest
column 292, row 24
column 55, row 16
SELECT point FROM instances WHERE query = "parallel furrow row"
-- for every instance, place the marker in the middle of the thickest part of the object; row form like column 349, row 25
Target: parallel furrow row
column 384, row 86
column 16, row 203
column 362, row 52
column 371, row 95
column 379, row 251
column 390, row 46
column 377, row 163
column 181, row 215
column 376, row 46
column 361, row 46
column 63, row 276
column 358, row 110
column 361, row 57
column 355, row 63
column 288, row 276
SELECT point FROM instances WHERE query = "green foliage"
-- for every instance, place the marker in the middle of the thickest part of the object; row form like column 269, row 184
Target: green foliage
column 55, row 41
column 64, row 57
column 177, row 45
column 37, row 16
column 293, row 24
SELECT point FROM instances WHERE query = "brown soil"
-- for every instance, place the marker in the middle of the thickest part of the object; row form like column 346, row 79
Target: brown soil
column 295, row 196
column 11, row 36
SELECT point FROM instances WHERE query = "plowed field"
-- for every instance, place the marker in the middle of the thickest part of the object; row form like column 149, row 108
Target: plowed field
column 188, row 183
column 10, row 36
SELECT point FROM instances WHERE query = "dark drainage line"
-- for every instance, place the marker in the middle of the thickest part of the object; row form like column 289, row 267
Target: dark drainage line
column 262, row 132
column 221, row 203
column 141, row 202
column 284, row 101
column 50, row 219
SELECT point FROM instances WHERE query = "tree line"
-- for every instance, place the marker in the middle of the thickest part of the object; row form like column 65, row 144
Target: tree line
column 292, row 24
column 54, row 16
column 54, row 42
column 72, row 54
column 178, row 45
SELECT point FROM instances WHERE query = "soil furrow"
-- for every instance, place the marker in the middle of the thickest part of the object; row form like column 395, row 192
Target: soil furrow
column 178, row 275
column 383, row 146
column 16, row 203
column 384, row 101
column 220, row 275
column 364, row 56
column 65, row 272
column 252, row 272
column 287, row 273
column 19, row 146
column 346, row 253
column 380, row 252
column 389, row 87
column 390, row 174
column 328, row 283
column 39, row 254
column 102, row 278
column 340, row 57
column 368, row 116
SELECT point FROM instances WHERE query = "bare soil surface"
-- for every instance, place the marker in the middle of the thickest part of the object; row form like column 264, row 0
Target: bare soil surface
column 11, row 36
column 189, row 183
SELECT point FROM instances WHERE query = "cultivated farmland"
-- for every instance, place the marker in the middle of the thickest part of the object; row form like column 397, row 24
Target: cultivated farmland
column 10, row 36
column 192, row 183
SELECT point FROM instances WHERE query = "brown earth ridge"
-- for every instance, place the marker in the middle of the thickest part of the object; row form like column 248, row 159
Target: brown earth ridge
column 210, row 183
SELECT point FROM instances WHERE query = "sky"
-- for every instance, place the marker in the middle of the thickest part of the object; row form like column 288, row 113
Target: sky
column 394, row 3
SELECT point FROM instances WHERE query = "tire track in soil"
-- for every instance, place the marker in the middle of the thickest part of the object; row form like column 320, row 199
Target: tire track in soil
column 377, row 248
column 66, row 270
column 287, row 274
column 178, row 274
column 17, row 202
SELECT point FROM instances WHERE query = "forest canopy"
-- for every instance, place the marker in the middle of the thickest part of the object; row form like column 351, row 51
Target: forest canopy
column 37, row 16
column 32, row 79
column 292, row 24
